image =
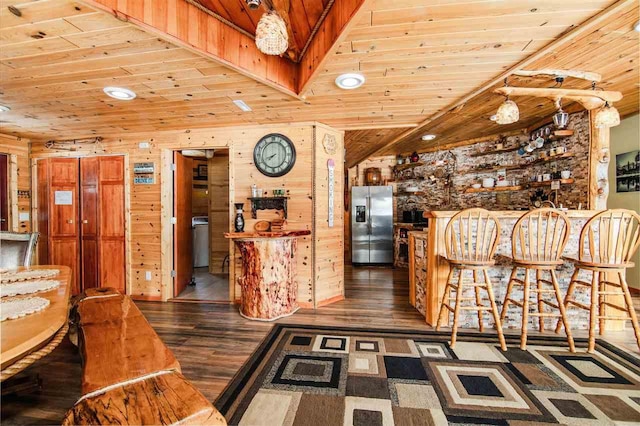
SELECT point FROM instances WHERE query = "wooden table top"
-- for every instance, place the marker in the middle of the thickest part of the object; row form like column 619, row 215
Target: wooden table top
column 24, row 335
column 260, row 235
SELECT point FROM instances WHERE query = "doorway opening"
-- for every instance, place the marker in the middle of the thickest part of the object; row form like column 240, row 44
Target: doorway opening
column 201, row 217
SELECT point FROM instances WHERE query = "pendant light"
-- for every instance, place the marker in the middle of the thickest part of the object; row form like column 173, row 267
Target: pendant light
column 607, row 116
column 560, row 118
column 272, row 37
column 508, row 112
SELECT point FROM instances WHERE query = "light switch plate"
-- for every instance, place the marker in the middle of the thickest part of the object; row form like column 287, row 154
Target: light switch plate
column 147, row 275
column 24, row 216
column 143, row 145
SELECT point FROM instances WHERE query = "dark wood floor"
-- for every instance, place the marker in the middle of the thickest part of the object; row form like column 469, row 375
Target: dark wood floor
column 212, row 341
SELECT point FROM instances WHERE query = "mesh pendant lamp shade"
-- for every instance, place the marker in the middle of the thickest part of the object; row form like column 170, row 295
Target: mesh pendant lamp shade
column 271, row 34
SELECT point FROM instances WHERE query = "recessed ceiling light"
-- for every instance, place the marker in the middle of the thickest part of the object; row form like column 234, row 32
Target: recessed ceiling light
column 637, row 26
column 350, row 81
column 4, row 108
column 494, row 117
column 242, row 105
column 120, row 93
column 428, row 137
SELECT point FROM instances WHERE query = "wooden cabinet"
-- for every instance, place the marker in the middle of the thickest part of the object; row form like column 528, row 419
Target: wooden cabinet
column 418, row 242
column 81, row 218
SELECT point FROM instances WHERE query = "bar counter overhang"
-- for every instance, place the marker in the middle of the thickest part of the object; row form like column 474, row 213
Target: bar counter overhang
column 428, row 274
column 269, row 288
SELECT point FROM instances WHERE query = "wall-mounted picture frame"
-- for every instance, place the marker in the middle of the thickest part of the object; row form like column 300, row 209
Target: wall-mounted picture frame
column 628, row 171
column 201, row 172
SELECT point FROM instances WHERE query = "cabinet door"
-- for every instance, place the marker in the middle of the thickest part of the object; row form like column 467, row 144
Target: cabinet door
column 111, row 220
column 63, row 216
column 89, row 221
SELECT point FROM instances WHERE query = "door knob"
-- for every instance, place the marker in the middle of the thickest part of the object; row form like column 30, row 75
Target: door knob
column 70, row 221
column 85, row 221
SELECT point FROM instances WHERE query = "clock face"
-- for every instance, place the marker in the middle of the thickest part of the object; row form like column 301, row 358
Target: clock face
column 274, row 155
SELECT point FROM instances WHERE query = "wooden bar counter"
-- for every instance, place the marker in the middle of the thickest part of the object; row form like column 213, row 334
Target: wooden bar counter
column 429, row 268
column 268, row 281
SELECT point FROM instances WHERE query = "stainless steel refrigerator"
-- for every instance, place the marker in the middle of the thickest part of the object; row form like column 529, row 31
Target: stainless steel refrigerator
column 371, row 224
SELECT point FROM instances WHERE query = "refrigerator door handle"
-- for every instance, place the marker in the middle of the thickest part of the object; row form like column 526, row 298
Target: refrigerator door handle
column 369, row 223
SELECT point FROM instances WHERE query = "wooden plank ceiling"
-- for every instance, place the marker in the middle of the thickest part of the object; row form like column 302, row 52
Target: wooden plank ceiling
column 419, row 58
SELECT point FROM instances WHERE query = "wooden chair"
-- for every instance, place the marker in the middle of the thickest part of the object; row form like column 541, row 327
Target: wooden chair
column 17, row 249
column 537, row 242
column 608, row 241
column 471, row 238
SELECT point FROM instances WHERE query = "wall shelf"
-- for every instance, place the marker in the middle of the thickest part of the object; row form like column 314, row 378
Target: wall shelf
column 401, row 167
column 518, row 166
column 548, row 182
column 494, row 189
column 495, row 151
column 409, row 194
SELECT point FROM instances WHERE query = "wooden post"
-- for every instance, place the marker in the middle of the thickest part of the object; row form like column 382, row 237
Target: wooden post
column 599, row 157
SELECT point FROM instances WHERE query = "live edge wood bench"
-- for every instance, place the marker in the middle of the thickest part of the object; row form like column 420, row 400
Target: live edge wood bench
column 129, row 376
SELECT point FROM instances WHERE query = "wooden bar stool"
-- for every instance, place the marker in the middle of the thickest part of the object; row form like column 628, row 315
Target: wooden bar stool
column 471, row 238
column 607, row 243
column 537, row 242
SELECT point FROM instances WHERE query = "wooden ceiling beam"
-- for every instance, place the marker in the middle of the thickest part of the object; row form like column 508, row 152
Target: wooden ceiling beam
column 590, row 99
column 590, row 24
column 188, row 26
column 335, row 27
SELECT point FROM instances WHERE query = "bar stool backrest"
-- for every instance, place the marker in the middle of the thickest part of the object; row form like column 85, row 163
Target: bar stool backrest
column 611, row 237
column 471, row 236
column 540, row 236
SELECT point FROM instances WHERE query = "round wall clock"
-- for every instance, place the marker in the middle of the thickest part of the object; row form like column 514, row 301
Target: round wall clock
column 274, row 155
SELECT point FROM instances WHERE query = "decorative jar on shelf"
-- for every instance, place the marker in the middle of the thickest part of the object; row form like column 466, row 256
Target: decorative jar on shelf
column 239, row 221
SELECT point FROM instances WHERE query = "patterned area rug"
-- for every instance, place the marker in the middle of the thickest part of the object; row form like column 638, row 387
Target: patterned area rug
column 304, row 375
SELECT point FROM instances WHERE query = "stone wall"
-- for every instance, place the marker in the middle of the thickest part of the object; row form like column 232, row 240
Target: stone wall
column 440, row 193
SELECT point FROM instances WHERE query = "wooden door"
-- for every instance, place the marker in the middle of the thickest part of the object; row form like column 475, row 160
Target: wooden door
column 182, row 237
column 4, row 192
column 64, row 247
column 111, row 223
column 89, row 221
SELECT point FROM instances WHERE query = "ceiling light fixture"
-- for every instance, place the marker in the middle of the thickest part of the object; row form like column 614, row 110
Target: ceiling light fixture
column 350, row 81
column 272, row 37
column 508, row 112
column 560, row 118
column 494, row 117
column 607, row 116
column 428, row 137
column 636, row 27
column 254, row 4
column 4, row 108
column 242, row 105
column 120, row 93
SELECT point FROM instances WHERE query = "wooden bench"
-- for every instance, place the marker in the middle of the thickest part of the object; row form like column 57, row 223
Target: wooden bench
column 129, row 375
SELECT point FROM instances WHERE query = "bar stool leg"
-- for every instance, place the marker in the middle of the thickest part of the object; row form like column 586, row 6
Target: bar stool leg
column 456, row 310
column 601, row 306
column 478, row 300
column 630, row 308
column 507, row 297
column 540, row 304
column 525, row 311
column 494, row 310
column 563, row 311
column 445, row 298
column 593, row 312
column 567, row 297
